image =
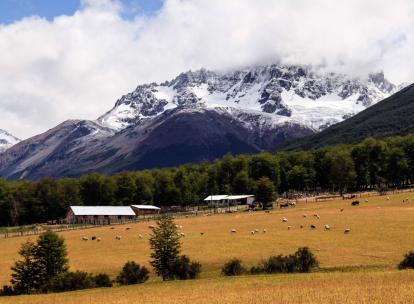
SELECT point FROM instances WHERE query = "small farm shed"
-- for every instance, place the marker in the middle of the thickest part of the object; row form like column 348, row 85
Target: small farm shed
column 99, row 215
column 225, row 200
column 145, row 209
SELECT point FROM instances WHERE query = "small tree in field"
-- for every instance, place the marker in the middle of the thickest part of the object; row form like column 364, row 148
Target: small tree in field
column 165, row 245
column 26, row 274
column 51, row 256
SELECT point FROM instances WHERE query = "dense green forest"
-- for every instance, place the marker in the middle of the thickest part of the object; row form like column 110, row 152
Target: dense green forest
column 368, row 164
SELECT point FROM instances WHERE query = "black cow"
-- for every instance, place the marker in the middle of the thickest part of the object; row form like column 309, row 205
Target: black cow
column 355, row 203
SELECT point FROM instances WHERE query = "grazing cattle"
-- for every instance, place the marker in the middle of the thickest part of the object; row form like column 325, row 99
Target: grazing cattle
column 327, row 227
column 118, row 238
column 233, row 230
column 348, row 230
column 313, row 226
column 285, row 205
column 355, row 203
column 85, row 238
column 93, row 238
column 284, row 220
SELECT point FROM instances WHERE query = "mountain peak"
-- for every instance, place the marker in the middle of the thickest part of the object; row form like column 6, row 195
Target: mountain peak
column 7, row 140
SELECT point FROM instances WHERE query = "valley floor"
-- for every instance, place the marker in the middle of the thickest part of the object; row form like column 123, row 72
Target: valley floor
column 359, row 267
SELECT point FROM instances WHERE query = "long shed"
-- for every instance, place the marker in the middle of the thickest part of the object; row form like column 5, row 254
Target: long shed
column 99, row 215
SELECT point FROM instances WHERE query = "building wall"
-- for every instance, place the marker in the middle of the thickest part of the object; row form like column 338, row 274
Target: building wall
column 97, row 219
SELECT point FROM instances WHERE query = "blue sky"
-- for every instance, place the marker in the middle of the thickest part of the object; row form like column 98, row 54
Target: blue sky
column 14, row 10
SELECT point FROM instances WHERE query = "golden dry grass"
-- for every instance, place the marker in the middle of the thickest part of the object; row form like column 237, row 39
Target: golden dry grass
column 381, row 232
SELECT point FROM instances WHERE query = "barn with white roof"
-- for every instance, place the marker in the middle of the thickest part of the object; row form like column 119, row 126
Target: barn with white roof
column 145, row 209
column 99, row 215
column 225, row 200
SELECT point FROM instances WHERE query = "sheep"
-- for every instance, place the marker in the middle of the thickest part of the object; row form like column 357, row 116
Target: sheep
column 176, row 226
column 93, row 238
column 366, row 201
column 252, row 232
column 256, row 230
column 284, row 220
column 289, row 227
column 388, row 198
column 348, row 230
column 182, row 234
column 85, row 238
column 264, row 230
column 313, row 226
column 112, row 228
column 304, row 215
column 267, row 211
column 151, row 226
column 342, row 209
column 98, row 239
column 355, row 203
column 186, row 216
column 140, row 236
column 293, row 204
column 181, row 227
column 316, row 216
column 128, row 228
column 327, row 227
column 202, row 233
column 233, row 230
column 301, row 226
column 118, row 237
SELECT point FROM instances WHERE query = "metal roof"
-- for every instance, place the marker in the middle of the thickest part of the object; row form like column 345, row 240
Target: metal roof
column 147, row 207
column 226, row 197
column 102, row 210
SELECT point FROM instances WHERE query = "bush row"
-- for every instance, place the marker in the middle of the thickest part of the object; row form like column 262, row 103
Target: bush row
column 303, row 260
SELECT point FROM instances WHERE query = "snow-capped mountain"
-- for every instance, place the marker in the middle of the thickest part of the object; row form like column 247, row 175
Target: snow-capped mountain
column 197, row 116
column 276, row 94
column 7, row 140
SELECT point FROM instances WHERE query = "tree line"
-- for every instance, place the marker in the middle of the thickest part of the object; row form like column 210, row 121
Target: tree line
column 372, row 163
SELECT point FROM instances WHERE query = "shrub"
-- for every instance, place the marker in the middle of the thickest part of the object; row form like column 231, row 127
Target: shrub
column 68, row 281
column 305, row 260
column 184, row 269
column 7, row 291
column 408, row 261
column 233, row 268
column 102, row 280
column 132, row 273
column 302, row 260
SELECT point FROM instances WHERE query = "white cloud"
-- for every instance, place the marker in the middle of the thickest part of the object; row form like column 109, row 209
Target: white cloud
column 77, row 66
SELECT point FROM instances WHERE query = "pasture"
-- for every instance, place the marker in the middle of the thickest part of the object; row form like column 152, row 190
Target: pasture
column 358, row 265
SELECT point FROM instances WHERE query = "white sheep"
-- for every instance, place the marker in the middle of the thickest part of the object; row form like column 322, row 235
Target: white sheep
column 182, row 234
column 140, row 236
column 233, row 230
column 151, row 226
column 289, row 227
column 264, row 230
column 348, row 230
column 256, row 230
column 252, row 232
column 98, row 239
column 327, row 227
column 284, row 220
column 85, row 238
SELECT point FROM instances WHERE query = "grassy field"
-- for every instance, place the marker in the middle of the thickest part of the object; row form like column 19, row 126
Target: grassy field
column 360, row 267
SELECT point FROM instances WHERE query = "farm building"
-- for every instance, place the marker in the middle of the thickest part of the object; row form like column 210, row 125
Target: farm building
column 145, row 209
column 229, row 200
column 99, row 215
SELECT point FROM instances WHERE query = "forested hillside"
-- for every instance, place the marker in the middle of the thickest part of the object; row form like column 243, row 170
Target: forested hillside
column 388, row 162
column 392, row 116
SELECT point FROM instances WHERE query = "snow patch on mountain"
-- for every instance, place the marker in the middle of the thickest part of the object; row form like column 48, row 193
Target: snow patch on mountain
column 7, row 140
